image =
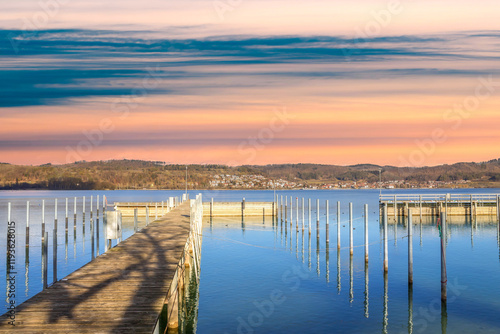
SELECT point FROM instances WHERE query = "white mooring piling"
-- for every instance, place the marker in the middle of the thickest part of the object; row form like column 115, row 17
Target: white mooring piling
column 444, row 279
column 303, row 213
column 338, row 225
column 309, row 221
column 54, row 256
column 366, row 233
column 386, row 249
column 27, row 224
column 351, row 245
column 410, row 247
column 327, row 223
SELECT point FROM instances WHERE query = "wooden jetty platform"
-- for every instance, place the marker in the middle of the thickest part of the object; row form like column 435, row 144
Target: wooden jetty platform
column 238, row 209
column 135, row 287
column 434, row 204
column 145, row 208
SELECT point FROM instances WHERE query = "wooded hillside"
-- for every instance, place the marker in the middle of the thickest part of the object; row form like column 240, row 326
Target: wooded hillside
column 135, row 174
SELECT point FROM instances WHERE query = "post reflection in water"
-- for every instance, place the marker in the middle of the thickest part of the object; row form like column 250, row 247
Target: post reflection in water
column 83, row 233
column 317, row 258
column 286, row 236
column 366, row 291
column 386, row 300
column 26, row 270
column 327, row 258
column 472, row 234
column 420, row 233
column 444, row 317
column 396, row 233
column 281, row 229
column 309, row 252
column 297, row 244
column 303, row 258
column 338, row 272
column 351, row 284
column 410, row 309
column 66, row 247
column 74, row 246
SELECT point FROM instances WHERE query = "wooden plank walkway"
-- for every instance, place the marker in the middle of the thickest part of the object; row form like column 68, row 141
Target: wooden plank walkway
column 121, row 291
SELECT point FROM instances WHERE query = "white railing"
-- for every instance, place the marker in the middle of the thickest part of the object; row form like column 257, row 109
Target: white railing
column 450, row 198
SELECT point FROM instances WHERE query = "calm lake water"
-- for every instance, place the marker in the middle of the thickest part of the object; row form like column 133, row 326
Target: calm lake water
column 257, row 277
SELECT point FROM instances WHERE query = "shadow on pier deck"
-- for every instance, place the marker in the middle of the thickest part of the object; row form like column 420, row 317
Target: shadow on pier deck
column 121, row 291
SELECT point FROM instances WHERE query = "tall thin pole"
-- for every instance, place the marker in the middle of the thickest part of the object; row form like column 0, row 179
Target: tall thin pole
column 105, row 228
column 55, row 215
column 43, row 220
column 410, row 247
column 274, row 193
column 44, row 259
column 327, row 223
column 338, row 225
column 54, row 257
column 366, row 233
column 74, row 218
column 386, row 250
column 444, row 278
column 380, row 182
column 317, row 211
column 27, row 224
column 309, row 222
column 66, row 220
column 317, row 218
column 97, row 236
column 281, row 210
column 186, row 180
column 303, row 213
column 350, row 229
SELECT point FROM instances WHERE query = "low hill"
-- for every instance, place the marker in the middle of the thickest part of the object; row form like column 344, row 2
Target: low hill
column 137, row 174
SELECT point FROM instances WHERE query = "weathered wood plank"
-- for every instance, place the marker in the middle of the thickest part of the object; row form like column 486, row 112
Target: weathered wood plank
column 122, row 291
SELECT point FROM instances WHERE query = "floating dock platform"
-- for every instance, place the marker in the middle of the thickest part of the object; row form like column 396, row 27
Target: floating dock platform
column 474, row 205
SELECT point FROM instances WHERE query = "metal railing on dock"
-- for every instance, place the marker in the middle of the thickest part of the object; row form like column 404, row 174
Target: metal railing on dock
column 471, row 205
column 435, row 198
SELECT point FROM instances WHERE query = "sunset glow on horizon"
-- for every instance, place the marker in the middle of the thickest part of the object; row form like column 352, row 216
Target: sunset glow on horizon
column 400, row 83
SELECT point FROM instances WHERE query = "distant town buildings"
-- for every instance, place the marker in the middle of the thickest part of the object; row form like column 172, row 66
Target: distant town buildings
column 232, row 181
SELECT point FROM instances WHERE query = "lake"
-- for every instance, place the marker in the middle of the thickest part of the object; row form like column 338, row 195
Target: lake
column 258, row 277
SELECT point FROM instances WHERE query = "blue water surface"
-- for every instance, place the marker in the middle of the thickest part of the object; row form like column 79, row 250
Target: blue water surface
column 262, row 277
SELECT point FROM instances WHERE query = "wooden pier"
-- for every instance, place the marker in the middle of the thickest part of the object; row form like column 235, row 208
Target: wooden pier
column 143, row 208
column 135, row 287
column 239, row 209
column 399, row 205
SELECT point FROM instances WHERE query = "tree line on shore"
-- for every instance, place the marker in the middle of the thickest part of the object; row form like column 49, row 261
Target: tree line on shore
column 137, row 174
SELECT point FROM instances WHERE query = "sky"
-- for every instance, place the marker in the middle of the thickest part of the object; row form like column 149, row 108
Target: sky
column 403, row 83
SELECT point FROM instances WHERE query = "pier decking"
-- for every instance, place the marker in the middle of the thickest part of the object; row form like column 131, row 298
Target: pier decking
column 121, row 291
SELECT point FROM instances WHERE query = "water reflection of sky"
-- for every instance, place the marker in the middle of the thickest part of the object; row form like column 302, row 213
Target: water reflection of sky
column 249, row 262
